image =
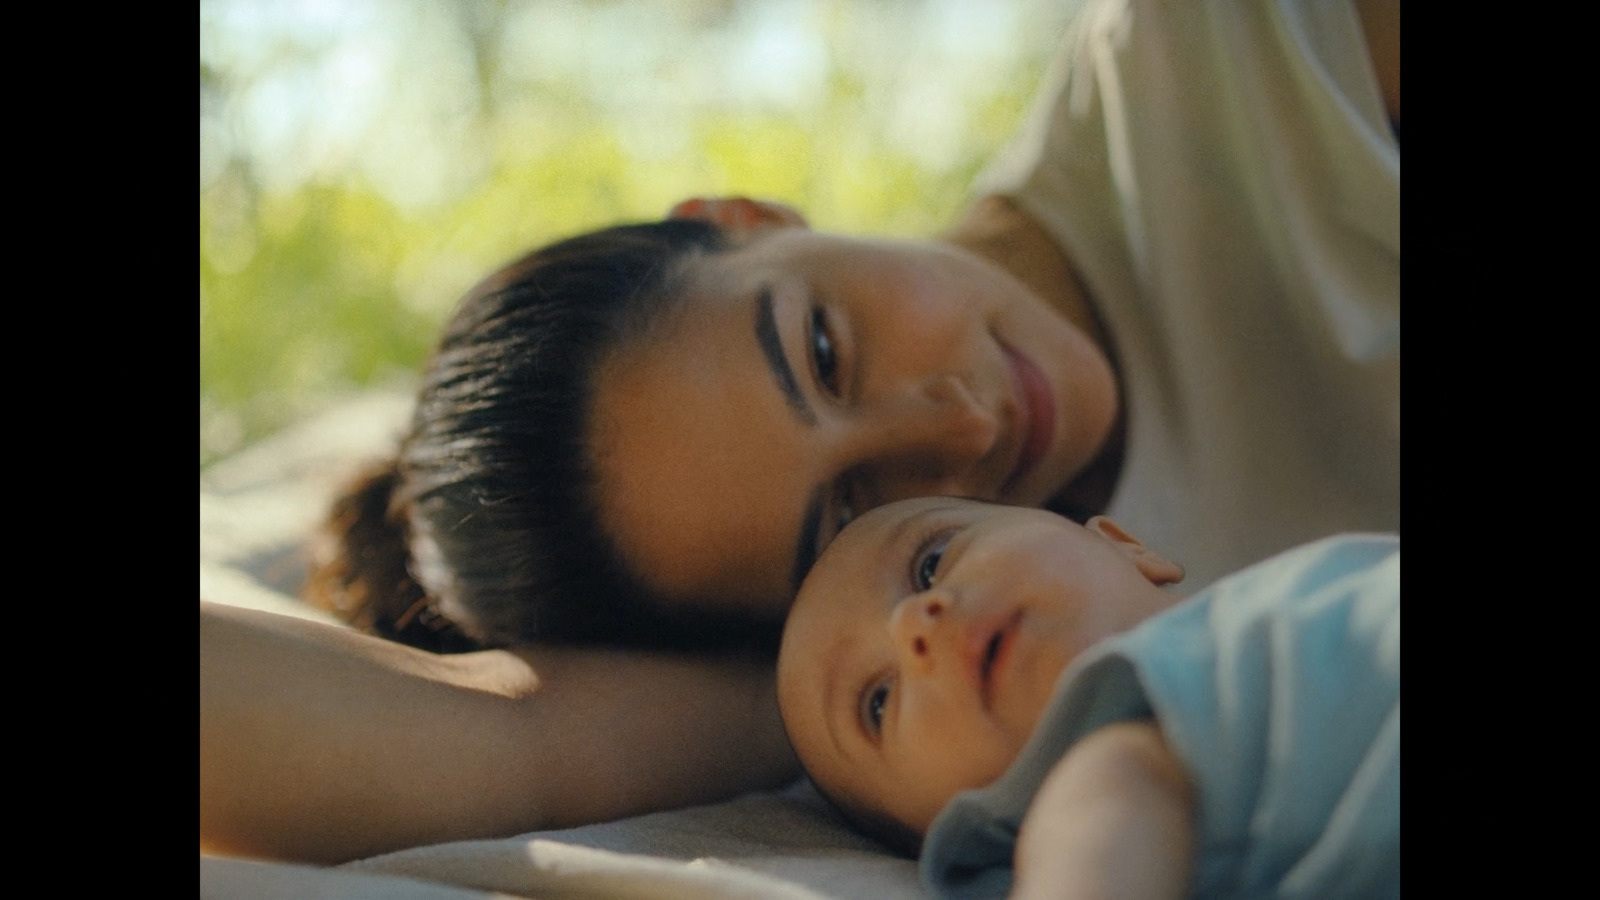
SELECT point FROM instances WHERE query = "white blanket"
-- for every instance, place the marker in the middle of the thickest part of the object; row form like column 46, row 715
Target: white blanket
column 783, row 845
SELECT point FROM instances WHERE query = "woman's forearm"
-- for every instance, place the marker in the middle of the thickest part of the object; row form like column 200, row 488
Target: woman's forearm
column 324, row 745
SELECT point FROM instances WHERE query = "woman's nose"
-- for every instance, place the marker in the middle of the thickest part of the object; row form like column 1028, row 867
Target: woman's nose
column 933, row 436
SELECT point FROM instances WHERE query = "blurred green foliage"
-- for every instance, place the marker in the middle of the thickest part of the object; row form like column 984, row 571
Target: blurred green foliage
column 335, row 236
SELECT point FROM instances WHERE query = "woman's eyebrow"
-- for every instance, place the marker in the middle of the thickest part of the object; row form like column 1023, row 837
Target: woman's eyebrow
column 772, row 348
column 766, row 327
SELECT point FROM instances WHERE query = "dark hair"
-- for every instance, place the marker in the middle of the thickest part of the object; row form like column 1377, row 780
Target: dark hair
column 485, row 530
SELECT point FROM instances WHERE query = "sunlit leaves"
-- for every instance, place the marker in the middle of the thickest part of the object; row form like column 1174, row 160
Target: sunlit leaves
column 363, row 163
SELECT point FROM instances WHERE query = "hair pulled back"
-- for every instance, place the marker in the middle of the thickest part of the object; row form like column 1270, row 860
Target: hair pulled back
column 485, row 531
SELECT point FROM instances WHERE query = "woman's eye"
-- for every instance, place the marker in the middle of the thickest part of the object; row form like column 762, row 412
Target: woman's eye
column 927, row 568
column 872, row 710
column 822, row 352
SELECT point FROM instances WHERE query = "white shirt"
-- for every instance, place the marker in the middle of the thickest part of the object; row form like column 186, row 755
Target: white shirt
column 1223, row 176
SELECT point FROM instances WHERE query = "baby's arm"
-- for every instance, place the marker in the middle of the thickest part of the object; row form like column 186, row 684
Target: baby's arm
column 1114, row 818
column 320, row 744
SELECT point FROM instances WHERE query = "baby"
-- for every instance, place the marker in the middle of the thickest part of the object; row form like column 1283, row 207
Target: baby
column 1024, row 692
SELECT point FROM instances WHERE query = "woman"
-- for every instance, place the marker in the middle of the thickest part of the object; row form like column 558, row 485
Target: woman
column 711, row 398
column 1179, row 301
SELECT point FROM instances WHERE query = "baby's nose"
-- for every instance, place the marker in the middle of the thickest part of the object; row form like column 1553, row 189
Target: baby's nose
column 914, row 626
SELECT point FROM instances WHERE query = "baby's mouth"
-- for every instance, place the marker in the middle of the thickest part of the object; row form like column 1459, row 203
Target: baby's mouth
column 992, row 666
column 989, row 653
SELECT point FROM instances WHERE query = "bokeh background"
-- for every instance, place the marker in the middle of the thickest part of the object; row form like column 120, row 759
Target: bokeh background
column 363, row 162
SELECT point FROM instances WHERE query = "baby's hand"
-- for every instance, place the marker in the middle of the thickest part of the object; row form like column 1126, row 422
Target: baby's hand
column 1114, row 818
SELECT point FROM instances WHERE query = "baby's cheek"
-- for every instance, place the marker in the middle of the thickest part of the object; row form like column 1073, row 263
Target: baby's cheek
column 961, row 767
column 982, row 762
column 1022, row 715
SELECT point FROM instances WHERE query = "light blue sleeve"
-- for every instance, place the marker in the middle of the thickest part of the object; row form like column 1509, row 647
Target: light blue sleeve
column 1279, row 688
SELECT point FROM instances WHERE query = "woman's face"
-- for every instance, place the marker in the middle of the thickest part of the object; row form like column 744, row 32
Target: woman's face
column 808, row 378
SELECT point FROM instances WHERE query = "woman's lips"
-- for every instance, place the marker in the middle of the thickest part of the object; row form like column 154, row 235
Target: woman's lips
column 1036, row 416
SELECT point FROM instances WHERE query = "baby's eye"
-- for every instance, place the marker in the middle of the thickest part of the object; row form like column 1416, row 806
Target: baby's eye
column 925, row 573
column 822, row 352
column 872, row 707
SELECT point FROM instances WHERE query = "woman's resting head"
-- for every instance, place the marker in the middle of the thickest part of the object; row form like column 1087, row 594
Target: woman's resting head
column 492, row 499
column 647, row 434
column 929, row 638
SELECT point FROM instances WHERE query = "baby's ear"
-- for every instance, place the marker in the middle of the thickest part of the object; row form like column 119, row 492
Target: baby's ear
column 1152, row 565
column 739, row 216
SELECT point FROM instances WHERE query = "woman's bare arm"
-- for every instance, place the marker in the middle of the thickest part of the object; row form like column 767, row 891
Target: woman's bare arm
column 323, row 745
column 1114, row 818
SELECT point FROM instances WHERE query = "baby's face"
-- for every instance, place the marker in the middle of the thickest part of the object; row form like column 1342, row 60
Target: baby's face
column 929, row 637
